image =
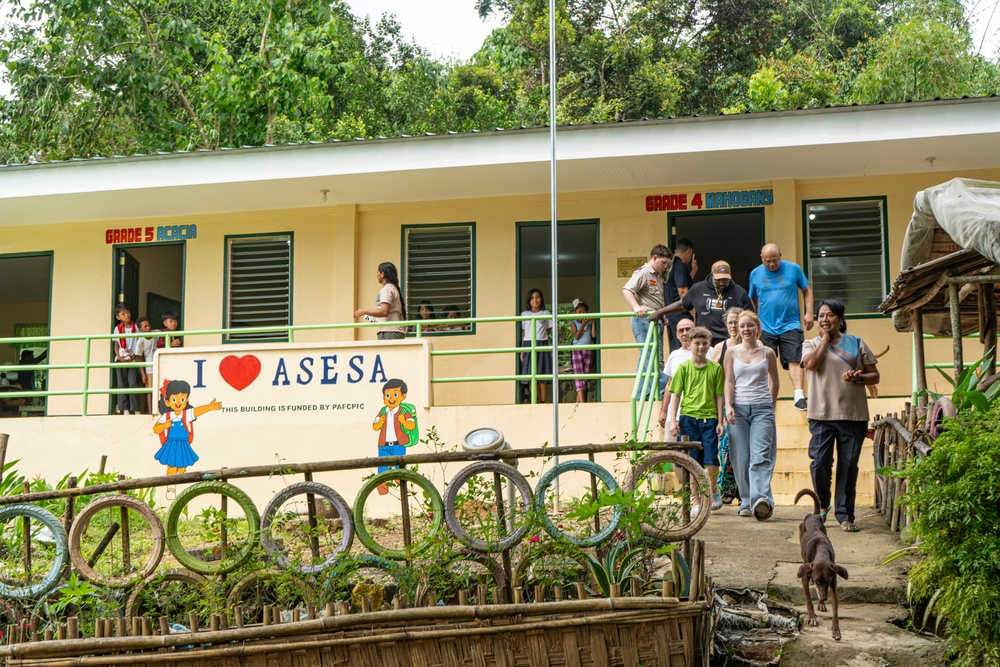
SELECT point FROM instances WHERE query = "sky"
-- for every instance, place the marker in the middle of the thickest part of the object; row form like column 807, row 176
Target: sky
column 446, row 28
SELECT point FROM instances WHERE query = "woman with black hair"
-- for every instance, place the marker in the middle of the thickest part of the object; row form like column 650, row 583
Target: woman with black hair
column 539, row 330
column 839, row 365
column 389, row 305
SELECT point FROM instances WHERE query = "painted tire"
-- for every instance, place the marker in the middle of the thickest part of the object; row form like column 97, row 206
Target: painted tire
column 229, row 563
column 942, row 409
column 494, row 568
column 451, row 515
column 543, row 486
column 681, row 564
column 402, row 474
column 9, row 589
column 698, row 474
column 236, row 595
column 80, row 526
column 315, row 488
column 174, row 574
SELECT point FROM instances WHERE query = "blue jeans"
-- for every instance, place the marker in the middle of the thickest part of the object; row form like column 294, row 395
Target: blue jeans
column 752, row 449
column 702, row 430
column 640, row 329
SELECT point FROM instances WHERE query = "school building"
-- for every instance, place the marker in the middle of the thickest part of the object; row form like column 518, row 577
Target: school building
column 256, row 237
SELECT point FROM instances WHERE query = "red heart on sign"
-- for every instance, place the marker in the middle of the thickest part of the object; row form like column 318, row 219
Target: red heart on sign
column 239, row 372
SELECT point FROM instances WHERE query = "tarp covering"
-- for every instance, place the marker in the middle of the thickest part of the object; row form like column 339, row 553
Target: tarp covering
column 967, row 209
column 969, row 212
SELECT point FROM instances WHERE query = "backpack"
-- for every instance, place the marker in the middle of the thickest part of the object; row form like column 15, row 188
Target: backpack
column 412, row 434
column 187, row 427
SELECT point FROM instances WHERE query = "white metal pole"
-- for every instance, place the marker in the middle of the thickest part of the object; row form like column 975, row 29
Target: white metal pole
column 554, row 336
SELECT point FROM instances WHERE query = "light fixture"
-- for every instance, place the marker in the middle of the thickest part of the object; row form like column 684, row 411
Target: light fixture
column 812, row 216
column 822, row 253
column 484, row 440
column 930, row 163
column 324, row 192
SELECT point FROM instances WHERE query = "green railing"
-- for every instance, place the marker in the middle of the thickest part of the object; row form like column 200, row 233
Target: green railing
column 647, row 355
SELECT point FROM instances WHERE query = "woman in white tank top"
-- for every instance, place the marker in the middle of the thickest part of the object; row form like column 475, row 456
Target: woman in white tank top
column 751, row 391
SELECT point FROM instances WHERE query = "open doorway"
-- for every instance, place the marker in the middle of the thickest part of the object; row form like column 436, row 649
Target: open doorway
column 149, row 280
column 25, row 303
column 735, row 236
column 579, row 279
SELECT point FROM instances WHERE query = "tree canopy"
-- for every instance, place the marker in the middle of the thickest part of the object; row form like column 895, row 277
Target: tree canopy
column 113, row 77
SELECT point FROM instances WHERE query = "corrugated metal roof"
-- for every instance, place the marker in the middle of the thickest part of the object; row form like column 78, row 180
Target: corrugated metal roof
column 498, row 130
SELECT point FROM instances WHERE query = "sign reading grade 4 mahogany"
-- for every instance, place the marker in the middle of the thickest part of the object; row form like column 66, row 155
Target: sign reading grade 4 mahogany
column 710, row 200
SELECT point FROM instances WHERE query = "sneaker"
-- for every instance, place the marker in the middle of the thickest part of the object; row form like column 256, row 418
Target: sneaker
column 745, row 512
column 801, row 404
column 694, row 510
column 716, row 501
column 762, row 510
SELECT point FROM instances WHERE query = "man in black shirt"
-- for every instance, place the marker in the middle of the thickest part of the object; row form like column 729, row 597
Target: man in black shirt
column 710, row 299
column 680, row 277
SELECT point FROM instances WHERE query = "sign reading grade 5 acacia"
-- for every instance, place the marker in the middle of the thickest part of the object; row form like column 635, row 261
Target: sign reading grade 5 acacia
column 374, row 387
column 710, row 200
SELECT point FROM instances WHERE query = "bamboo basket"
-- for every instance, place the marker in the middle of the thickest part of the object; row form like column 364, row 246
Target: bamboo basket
column 606, row 632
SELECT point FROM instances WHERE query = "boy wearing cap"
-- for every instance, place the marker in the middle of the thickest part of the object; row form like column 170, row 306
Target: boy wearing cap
column 710, row 299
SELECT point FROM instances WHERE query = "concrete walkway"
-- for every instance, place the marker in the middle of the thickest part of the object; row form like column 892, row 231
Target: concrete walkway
column 742, row 552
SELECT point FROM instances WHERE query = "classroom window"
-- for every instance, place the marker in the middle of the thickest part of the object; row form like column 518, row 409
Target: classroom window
column 438, row 272
column 846, row 244
column 258, row 285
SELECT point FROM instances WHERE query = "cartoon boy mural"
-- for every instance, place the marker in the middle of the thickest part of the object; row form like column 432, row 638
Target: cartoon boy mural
column 396, row 424
column 175, row 426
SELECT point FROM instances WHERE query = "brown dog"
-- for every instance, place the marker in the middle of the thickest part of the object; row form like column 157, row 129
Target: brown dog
column 818, row 563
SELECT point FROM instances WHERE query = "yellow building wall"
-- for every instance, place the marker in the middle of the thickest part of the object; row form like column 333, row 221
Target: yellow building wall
column 337, row 250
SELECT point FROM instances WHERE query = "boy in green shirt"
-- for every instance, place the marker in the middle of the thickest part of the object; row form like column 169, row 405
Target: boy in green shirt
column 698, row 387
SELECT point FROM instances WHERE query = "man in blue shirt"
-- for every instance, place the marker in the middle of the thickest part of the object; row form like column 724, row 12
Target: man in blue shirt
column 774, row 288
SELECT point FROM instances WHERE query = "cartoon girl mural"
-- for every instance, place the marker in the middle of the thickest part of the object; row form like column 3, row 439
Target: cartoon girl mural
column 175, row 426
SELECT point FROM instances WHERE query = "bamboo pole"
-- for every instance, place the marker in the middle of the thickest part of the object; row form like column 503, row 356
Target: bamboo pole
column 313, row 524
column 919, row 357
column 347, row 464
column 126, row 536
column 956, row 327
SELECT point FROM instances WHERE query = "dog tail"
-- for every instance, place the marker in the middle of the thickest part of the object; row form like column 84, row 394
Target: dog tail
column 811, row 494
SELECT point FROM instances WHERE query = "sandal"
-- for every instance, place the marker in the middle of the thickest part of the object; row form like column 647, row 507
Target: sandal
column 848, row 527
column 822, row 515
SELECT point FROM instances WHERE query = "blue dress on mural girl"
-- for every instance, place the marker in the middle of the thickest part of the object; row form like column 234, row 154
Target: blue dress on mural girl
column 176, row 450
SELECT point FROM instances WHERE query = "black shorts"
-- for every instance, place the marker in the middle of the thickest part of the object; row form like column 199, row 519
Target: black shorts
column 788, row 346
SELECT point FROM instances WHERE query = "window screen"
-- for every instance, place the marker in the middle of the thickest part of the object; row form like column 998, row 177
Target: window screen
column 846, row 253
column 258, row 279
column 438, row 273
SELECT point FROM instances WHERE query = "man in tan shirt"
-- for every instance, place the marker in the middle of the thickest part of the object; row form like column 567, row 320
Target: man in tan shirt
column 644, row 293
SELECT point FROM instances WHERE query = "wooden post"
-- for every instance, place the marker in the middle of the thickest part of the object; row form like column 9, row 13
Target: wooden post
column 104, row 462
column 956, row 328
column 482, row 594
column 70, row 505
column 72, row 627
column 223, row 533
column 126, row 536
column 193, row 621
column 593, row 495
column 26, row 524
column 147, row 626
column 581, row 591
column 164, row 626
column 989, row 331
column 501, row 524
column 366, row 605
column 345, row 608
column 238, row 613
column 329, row 611
column 557, row 591
column 3, row 452
column 103, row 544
column 215, row 623
column 919, row 357
column 404, row 500
column 120, row 622
column 267, row 614
column 313, row 524
column 463, row 597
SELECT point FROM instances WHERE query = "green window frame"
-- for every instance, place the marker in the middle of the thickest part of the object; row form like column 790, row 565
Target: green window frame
column 258, row 285
column 846, row 251
column 439, row 267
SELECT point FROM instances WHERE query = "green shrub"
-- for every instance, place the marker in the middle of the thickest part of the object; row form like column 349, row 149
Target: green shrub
column 955, row 493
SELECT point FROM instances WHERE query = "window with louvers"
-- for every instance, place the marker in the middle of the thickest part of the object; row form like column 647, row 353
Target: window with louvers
column 438, row 268
column 847, row 252
column 258, row 285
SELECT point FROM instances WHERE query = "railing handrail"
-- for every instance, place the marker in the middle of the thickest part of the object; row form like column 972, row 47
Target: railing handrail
column 417, row 326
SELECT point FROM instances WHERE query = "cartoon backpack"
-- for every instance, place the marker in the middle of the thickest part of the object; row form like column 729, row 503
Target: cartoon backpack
column 412, row 434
